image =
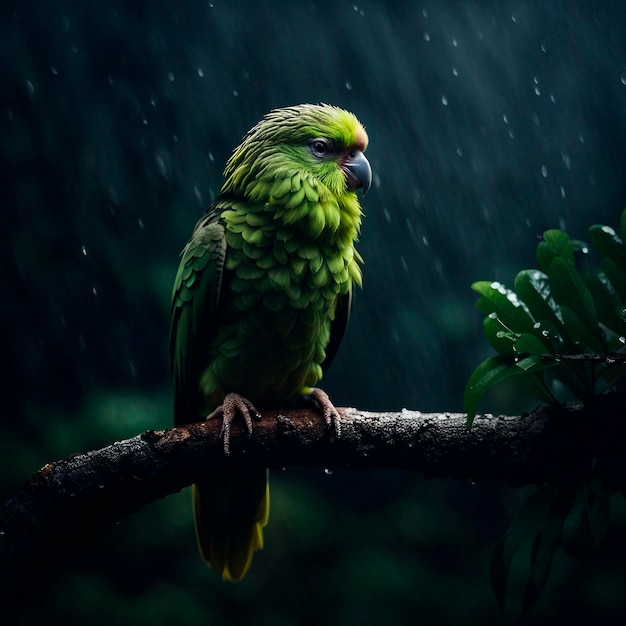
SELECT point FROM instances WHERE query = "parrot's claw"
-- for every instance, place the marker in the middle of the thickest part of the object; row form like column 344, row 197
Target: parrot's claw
column 233, row 405
column 327, row 409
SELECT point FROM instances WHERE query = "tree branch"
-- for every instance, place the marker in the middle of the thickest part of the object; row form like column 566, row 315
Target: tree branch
column 70, row 500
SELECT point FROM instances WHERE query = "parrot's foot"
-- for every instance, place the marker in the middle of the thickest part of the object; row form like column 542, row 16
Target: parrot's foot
column 327, row 409
column 233, row 405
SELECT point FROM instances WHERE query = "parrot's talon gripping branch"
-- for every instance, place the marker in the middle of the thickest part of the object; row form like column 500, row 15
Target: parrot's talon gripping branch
column 328, row 411
column 234, row 405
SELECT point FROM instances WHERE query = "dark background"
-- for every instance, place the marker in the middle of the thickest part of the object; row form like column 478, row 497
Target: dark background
column 489, row 122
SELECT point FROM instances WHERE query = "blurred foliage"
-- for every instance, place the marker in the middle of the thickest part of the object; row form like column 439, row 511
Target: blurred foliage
column 488, row 122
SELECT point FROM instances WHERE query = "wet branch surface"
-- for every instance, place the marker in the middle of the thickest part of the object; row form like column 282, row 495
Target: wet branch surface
column 70, row 501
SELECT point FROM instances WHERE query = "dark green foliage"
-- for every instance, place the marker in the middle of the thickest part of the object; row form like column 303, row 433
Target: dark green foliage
column 552, row 313
column 559, row 330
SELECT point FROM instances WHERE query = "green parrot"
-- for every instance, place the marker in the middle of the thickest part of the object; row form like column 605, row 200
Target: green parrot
column 261, row 301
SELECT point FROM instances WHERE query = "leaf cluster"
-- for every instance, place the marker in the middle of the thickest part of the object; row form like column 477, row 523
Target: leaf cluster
column 560, row 331
column 552, row 316
column 574, row 517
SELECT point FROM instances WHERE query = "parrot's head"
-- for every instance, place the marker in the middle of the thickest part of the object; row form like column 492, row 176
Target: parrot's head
column 320, row 144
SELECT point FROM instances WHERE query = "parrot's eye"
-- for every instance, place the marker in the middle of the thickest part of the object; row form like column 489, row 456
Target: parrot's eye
column 320, row 147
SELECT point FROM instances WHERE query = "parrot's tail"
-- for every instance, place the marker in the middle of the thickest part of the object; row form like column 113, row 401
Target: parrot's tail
column 230, row 509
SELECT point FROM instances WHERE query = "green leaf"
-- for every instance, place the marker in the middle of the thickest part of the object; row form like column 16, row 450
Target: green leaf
column 581, row 333
column 617, row 278
column 569, row 289
column 496, row 298
column 488, row 374
column 606, row 241
column 527, row 343
column 555, row 244
column 579, row 246
column 585, row 526
column 520, row 564
column 500, row 342
column 606, row 300
column 533, row 287
column 535, row 384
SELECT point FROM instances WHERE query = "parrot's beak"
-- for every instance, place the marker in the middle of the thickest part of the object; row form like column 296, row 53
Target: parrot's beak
column 357, row 171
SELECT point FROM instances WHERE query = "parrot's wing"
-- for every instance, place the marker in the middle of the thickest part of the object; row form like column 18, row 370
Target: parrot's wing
column 338, row 327
column 194, row 306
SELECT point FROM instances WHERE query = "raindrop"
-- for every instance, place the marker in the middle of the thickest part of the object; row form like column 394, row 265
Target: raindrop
column 426, row 37
column 622, row 340
column 140, row 223
column 328, row 471
column 455, row 43
column 623, row 78
column 506, row 119
column 543, row 47
column 83, row 250
column 513, row 299
column 511, row 134
column 170, row 77
column 513, row 18
column 348, row 85
column 30, row 88
column 537, row 325
column 537, row 90
column 235, row 93
column 459, row 152
column 54, row 70
column 387, row 215
column 160, row 165
column 211, row 157
column 608, row 230
column 200, row 72
column 544, row 171
column 493, row 316
column 424, row 12
column 552, row 98
column 566, row 160
column 444, row 101
column 562, row 192
column 455, row 72
column 94, row 291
